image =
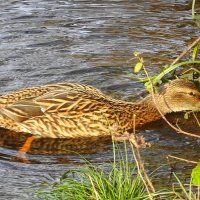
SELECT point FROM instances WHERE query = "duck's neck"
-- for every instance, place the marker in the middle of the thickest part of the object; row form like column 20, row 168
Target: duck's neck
column 137, row 115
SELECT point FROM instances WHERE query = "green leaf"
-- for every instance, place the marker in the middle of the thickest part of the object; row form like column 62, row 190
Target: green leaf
column 148, row 86
column 195, row 52
column 197, row 17
column 196, row 175
column 138, row 67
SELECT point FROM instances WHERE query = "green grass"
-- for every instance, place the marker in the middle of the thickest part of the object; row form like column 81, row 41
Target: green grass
column 119, row 180
column 94, row 183
column 185, row 191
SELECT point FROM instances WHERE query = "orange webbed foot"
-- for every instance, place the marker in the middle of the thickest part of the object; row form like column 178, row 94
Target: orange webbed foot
column 24, row 149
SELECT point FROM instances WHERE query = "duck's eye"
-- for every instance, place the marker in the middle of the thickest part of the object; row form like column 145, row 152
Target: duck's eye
column 192, row 93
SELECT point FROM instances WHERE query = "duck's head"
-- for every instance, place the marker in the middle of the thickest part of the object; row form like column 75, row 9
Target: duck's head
column 179, row 95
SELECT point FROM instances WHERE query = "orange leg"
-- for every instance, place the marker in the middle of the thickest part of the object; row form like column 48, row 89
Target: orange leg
column 24, row 149
column 27, row 145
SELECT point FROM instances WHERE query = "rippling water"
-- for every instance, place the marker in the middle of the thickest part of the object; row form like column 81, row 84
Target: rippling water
column 92, row 42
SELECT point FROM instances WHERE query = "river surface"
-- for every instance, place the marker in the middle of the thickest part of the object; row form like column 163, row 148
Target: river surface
column 90, row 42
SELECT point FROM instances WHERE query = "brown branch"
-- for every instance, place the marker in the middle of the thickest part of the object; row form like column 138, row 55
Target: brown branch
column 141, row 170
column 183, row 159
column 186, row 50
column 196, row 119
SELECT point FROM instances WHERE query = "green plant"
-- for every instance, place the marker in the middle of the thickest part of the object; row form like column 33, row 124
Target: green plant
column 195, row 16
column 186, row 191
column 116, row 181
column 188, row 66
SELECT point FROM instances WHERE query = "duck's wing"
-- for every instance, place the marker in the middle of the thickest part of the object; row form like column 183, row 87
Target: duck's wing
column 11, row 116
column 22, row 111
column 63, row 102
column 60, row 112
column 59, row 102
column 33, row 92
column 55, row 126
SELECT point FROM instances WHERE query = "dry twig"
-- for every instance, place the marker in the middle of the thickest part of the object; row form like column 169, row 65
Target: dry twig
column 182, row 159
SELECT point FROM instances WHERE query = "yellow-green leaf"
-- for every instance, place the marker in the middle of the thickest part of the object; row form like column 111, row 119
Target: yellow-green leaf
column 195, row 52
column 196, row 175
column 138, row 67
column 148, row 86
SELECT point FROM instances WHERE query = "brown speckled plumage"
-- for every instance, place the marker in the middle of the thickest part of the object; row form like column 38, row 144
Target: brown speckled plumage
column 75, row 110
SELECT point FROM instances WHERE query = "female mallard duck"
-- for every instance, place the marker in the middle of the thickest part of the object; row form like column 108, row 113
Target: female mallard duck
column 75, row 110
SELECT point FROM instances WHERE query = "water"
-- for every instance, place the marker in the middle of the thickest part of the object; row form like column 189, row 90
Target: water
column 91, row 42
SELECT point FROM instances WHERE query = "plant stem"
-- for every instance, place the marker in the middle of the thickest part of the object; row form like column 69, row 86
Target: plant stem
column 193, row 9
column 186, row 50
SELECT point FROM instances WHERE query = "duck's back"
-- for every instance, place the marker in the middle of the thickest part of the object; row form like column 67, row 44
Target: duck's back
column 34, row 92
column 56, row 110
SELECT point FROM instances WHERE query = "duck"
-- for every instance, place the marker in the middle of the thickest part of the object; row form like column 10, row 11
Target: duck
column 72, row 110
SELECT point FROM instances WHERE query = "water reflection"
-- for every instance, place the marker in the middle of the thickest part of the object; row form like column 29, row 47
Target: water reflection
column 51, row 146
